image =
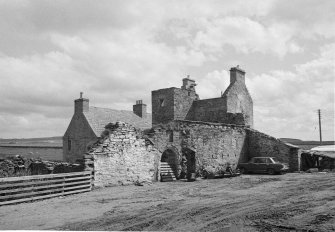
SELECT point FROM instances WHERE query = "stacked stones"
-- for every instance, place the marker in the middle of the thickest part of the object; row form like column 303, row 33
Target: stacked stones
column 88, row 162
column 113, row 140
column 21, row 166
column 122, row 156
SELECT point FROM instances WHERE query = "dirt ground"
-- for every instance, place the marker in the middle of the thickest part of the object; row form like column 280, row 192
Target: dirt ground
column 290, row 202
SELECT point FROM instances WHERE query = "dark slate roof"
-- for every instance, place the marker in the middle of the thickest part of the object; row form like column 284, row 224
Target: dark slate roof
column 98, row 118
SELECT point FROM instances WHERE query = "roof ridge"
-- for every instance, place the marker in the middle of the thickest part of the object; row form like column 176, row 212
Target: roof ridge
column 96, row 107
column 99, row 117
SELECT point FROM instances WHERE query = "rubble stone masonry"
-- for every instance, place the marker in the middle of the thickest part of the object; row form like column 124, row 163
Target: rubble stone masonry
column 126, row 156
column 123, row 157
column 260, row 144
column 234, row 106
column 214, row 145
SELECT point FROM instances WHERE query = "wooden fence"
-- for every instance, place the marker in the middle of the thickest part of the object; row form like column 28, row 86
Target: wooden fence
column 27, row 188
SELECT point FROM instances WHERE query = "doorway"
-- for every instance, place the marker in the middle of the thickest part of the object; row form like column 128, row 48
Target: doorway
column 189, row 160
column 168, row 167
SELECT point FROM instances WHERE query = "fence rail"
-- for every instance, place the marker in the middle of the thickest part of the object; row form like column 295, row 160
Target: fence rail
column 28, row 188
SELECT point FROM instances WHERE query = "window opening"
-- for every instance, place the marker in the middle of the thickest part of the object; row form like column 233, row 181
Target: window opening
column 69, row 145
column 161, row 102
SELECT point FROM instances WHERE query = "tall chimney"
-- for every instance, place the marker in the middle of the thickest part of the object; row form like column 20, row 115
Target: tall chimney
column 140, row 109
column 81, row 105
column 237, row 75
column 188, row 83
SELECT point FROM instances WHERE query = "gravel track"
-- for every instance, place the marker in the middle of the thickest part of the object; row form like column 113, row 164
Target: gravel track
column 291, row 202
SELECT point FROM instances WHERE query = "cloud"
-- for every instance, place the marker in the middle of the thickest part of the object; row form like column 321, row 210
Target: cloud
column 112, row 68
column 213, row 84
column 246, row 36
column 286, row 102
column 117, row 52
column 37, row 125
column 310, row 18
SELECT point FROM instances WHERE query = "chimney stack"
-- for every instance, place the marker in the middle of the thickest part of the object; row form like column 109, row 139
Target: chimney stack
column 237, row 75
column 188, row 83
column 81, row 105
column 140, row 109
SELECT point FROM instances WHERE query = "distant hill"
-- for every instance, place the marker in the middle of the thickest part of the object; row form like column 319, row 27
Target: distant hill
column 52, row 141
column 292, row 141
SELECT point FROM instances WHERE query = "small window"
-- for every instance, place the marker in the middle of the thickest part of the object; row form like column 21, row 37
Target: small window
column 263, row 160
column 161, row 102
column 170, row 134
column 69, row 145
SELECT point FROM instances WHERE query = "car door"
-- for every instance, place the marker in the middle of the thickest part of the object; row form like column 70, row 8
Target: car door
column 257, row 165
column 263, row 165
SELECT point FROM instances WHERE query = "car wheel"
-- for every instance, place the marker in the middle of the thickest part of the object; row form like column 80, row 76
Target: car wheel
column 271, row 171
column 243, row 171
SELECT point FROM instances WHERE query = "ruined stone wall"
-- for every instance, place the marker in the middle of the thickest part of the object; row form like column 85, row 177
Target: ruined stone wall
column 183, row 100
column 80, row 134
column 260, row 144
column 239, row 101
column 162, row 105
column 214, row 110
column 208, row 110
column 234, row 107
column 123, row 157
column 171, row 104
column 215, row 145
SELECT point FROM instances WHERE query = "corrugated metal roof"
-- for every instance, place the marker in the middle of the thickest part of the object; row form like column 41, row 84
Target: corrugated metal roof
column 330, row 154
column 98, row 118
column 324, row 148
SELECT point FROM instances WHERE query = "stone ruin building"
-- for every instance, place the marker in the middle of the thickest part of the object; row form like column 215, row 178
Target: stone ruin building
column 235, row 106
column 204, row 135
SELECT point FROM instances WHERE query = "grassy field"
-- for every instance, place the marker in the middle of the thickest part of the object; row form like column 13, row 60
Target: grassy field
column 44, row 153
column 47, row 141
column 49, row 148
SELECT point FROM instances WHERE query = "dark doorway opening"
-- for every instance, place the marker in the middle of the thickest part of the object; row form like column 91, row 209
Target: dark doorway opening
column 188, row 164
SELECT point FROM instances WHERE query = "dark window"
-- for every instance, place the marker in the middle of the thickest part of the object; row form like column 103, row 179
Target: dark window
column 69, row 144
column 262, row 160
column 161, row 102
column 170, row 134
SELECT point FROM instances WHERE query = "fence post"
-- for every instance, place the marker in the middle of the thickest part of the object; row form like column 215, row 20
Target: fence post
column 63, row 185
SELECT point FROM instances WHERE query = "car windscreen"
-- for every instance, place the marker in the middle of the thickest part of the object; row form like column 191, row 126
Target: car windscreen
column 275, row 160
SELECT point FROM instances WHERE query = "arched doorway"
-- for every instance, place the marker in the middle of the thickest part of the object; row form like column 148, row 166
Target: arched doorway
column 169, row 165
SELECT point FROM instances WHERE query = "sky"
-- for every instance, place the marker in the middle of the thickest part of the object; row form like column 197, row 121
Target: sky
column 117, row 52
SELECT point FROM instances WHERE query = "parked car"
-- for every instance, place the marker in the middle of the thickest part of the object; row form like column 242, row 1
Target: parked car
column 268, row 165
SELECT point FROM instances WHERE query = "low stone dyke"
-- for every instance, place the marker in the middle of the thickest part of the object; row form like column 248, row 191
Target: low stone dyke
column 21, row 166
